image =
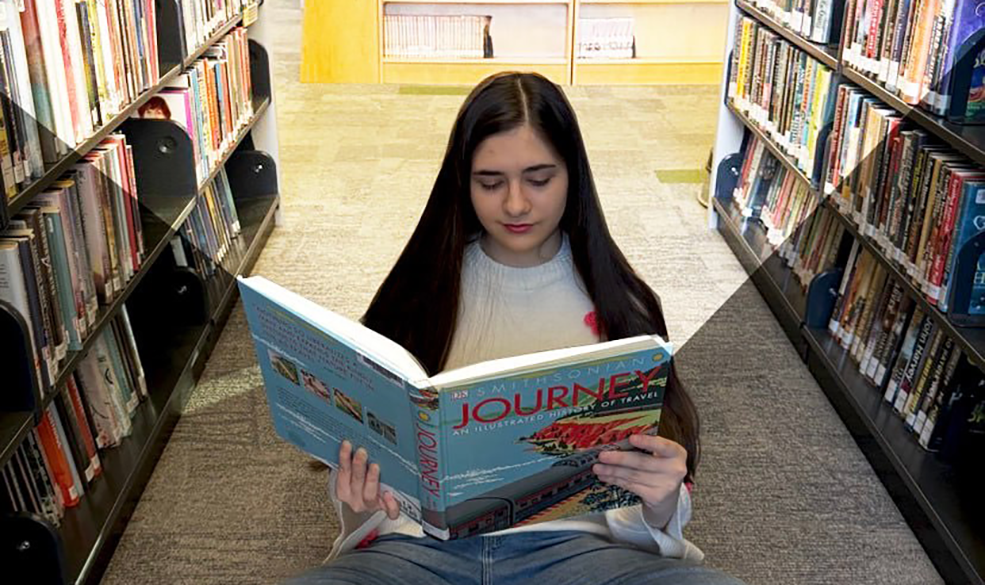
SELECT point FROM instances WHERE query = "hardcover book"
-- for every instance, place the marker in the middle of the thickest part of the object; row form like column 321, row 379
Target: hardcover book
column 477, row 449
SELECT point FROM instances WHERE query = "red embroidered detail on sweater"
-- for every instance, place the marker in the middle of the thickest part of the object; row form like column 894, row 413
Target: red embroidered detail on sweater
column 689, row 486
column 592, row 322
column 368, row 539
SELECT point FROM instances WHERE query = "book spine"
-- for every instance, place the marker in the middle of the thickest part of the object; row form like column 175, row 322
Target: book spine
column 89, row 442
column 42, row 476
column 913, row 366
column 61, row 474
column 940, row 365
column 972, row 206
column 73, row 438
column 425, row 405
column 928, row 415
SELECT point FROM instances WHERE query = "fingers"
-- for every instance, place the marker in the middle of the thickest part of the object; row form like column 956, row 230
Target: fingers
column 359, row 469
column 358, row 484
column 391, row 505
column 371, row 488
column 616, row 474
column 659, row 446
column 633, row 459
column 344, row 476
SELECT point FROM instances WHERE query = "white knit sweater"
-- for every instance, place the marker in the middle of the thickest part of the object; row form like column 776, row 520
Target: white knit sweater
column 506, row 311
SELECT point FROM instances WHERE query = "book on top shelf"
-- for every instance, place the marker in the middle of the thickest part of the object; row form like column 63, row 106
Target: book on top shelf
column 476, row 449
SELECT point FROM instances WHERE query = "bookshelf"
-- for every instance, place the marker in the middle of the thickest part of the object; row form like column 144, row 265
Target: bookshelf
column 941, row 503
column 347, row 42
column 173, row 344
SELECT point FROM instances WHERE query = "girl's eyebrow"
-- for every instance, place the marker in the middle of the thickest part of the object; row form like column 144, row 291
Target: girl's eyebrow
column 488, row 173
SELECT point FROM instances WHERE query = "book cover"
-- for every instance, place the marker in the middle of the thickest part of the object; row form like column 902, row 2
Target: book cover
column 967, row 17
column 467, row 451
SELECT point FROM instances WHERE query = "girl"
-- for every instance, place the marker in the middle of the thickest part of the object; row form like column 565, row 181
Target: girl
column 512, row 255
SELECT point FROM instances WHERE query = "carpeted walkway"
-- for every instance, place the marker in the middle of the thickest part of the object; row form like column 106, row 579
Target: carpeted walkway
column 783, row 496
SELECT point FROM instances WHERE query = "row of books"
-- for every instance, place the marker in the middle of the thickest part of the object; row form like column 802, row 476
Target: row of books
column 605, row 38
column 815, row 246
column 414, row 36
column 769, row 191
column 207, row 237
column 200, row 19
column 805, row 236
column 67, row 68
column 59, row 460
column 919, row 201
column 898, row 347
column 912, row 46
column 906, row 355
column 812, row 19
column 782, row 89
column 212, row 100
column 207, row 242
column 71, row 250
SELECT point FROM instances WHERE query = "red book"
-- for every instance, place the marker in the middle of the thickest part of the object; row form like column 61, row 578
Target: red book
column 69, row 65
column 58, row 462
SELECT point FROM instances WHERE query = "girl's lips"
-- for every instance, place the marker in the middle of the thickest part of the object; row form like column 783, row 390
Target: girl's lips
column 518, row 228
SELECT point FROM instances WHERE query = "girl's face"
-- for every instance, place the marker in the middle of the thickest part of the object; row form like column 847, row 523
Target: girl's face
column 519, row 188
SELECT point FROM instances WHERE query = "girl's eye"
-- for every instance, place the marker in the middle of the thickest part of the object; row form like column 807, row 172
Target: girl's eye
column 490, row 186
column 540, row 182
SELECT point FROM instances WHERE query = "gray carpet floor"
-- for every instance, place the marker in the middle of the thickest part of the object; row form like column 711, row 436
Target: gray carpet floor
column 783, row 493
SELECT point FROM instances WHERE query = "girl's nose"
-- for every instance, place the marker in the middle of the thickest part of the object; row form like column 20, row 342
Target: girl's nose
column 516, row 203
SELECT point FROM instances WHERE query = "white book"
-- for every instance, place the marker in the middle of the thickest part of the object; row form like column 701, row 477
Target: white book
column 13, row 291
column 74, row 40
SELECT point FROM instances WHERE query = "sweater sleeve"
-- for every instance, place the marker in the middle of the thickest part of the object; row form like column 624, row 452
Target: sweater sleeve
column 627, row 525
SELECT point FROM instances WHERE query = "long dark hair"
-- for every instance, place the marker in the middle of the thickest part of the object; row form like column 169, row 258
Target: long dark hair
column 417, row 304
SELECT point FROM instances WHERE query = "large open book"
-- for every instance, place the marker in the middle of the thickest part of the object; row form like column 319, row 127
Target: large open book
column 480, row 448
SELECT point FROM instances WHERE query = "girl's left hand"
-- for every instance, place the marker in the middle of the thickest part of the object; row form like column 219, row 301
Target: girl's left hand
column 655, row 475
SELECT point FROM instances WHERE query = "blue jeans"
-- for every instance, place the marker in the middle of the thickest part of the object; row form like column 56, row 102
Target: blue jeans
column 537, row 558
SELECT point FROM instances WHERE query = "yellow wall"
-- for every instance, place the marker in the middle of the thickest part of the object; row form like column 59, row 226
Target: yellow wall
column 340, row 42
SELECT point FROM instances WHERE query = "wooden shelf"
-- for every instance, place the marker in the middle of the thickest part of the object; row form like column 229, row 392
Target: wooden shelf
column 476, row 2
column 532, row 62
column 823, row 53
column 644, row 71
column 466, row 72
column 645, row 2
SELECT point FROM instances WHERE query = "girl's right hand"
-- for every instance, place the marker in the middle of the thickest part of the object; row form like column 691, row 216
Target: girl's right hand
column 359, row 486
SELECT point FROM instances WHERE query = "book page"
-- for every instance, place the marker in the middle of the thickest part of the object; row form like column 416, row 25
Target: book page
column 543, row 359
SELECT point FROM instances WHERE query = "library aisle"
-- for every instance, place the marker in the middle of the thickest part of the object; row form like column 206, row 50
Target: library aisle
column 783, row 494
